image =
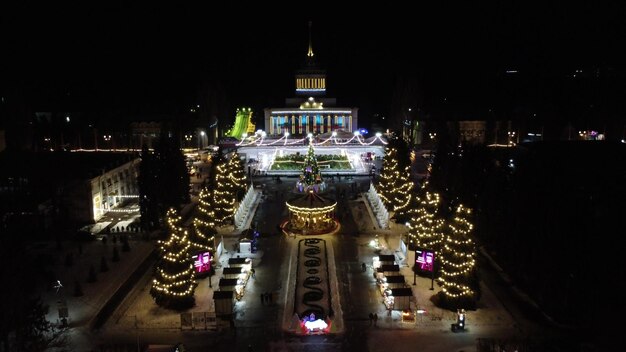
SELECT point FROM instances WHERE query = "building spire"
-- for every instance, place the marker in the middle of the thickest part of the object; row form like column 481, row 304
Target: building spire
column 310, row 53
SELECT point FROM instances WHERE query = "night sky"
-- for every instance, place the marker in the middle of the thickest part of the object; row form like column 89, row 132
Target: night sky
column 146, row 60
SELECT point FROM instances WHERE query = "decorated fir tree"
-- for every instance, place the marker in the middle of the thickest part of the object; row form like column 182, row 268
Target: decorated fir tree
column 402, row 194
column 173, row 284
column 394, row 186
column 310, row 171
column 311, row 177
column 387, row 176
column 223, row 195
column 204, row 223
column 458, row 263
column 425, row 226
column 237, row 176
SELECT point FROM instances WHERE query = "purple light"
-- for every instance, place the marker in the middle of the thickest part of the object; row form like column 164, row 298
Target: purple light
column 202, row 262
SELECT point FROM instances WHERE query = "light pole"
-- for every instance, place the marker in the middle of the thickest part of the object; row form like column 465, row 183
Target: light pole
column 201, row 139
column 107, row 138
column 188, row 138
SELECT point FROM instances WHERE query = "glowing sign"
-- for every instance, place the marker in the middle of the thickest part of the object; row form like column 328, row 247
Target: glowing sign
column 425, row 259
column 202, row 262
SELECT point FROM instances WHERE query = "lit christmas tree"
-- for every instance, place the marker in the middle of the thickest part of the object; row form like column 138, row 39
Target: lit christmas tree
column 425, row 227
column 204, row 223
column 173, row 284
column 458, row 263
column 388, row 174
column 237, row 176
column 402, row 194
column 394, row 187
column 223, row 195
column 311, row 177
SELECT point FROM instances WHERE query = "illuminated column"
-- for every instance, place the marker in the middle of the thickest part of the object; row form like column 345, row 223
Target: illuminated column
column 350, row 123
column 293, row 124
column 330, row 123
column 300, row 125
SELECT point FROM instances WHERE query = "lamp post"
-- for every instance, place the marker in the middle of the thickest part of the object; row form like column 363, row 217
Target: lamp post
column 107, row 138
column 188, row 138
column 201, row 139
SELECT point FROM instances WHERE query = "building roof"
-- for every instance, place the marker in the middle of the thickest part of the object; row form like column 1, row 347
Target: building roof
column 310, row 200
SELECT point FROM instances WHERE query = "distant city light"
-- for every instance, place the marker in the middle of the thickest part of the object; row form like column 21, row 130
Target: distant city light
column 67, row 118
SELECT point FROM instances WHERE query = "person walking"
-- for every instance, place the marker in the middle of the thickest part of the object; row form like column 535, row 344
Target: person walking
column 253, row 273
column 375, row 319
column 371, row 318
column 263, row 298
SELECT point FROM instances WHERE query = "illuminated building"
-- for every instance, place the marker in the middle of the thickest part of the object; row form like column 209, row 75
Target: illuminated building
column 310, row 111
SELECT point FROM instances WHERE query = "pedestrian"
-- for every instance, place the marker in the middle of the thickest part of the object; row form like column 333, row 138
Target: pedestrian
column 363, row 267
column 371, row 318
column 253, row 273
column 263, row 298
column 375, row 319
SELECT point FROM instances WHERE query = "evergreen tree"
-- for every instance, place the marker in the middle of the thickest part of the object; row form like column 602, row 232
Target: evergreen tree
column 395, row 187
column 93, row 277
column 237, row 176
column 425, row 226
column 204, row 223
column 311, row 171
column 223, row 196
column 387, row 178
column 172, row 172
column 104, row 267
column 458, row 263
column 173, row 285
column 148, row 191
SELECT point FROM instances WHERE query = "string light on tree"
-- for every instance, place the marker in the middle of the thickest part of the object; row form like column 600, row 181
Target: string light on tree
column 223, row 195
column 204, row 223
column 458, row 260
column 426, row 230
column 173, row 284
column 394, row 186
column 311, row 177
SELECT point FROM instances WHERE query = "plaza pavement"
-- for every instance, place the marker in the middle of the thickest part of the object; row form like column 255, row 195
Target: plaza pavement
column 138, row 315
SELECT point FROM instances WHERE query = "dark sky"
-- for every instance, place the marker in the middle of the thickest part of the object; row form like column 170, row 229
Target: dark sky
column 156, row 58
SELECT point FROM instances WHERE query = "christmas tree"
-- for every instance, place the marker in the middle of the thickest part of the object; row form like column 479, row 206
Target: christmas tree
column 425, row 227
column 173, row 284
column 387, row 176
column 204, row 223
column 237, row 176
column 394, row 186
column 458, row 263
column 311, row 178
column 223, row 195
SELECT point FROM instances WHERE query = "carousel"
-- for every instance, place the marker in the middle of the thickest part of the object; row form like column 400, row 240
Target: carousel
column 309, row 212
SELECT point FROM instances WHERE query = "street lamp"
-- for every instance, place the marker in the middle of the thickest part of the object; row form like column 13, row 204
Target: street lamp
column 188, row 138
column 201, row 139
column 107, row 138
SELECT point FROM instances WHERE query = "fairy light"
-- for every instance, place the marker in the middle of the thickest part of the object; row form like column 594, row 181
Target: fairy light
column 425, row 228
column 458, row 256
column 230, row 180
column 203, row 235
column 394, row 187
column 173, row 282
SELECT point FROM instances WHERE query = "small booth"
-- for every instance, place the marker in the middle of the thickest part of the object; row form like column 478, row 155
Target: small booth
column 235, row 273
column 223, row 301
column 390, row 270
column 239, row 262
column 387, row 259
column 235, row 285
column 395, row 281
column 402, row 298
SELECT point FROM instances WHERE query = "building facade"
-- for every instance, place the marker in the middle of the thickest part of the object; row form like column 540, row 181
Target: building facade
column 310, row 111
